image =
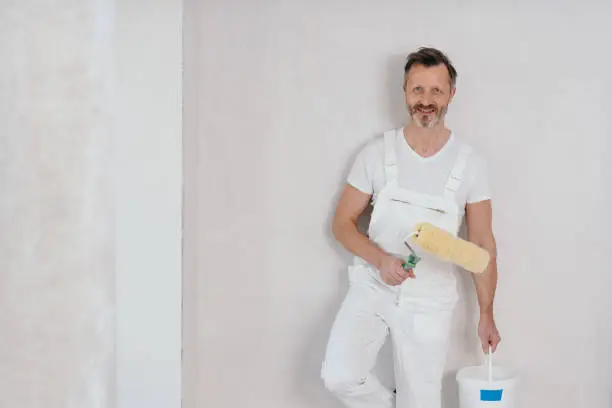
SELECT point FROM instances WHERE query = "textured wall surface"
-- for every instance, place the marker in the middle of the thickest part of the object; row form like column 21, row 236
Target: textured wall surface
column 280, row 96
column 56, row 215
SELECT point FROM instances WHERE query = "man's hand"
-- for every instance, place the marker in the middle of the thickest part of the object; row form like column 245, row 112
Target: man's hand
column 351, row 204
column 391, row 271
column 487, row 331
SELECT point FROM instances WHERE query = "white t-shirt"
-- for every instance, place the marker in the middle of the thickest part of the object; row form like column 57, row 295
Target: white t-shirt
column 425, row 175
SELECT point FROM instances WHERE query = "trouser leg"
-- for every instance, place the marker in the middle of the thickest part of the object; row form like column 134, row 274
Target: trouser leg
column 420, row 345
column 356, row 338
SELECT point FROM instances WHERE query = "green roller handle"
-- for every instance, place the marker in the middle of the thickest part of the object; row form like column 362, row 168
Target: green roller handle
column 411, row 262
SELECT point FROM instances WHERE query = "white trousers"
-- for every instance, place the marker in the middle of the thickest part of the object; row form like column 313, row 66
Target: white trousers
column 368, row 314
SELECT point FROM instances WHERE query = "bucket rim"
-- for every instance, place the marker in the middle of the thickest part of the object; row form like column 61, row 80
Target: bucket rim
column 511, row 374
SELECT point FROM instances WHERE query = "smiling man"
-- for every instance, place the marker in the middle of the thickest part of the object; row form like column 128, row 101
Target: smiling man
column 419, row 172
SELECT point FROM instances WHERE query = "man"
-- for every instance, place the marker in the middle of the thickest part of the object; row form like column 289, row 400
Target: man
column 419, row 172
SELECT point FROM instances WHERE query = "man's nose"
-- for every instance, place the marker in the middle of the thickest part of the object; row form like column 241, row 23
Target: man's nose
column 427, row 99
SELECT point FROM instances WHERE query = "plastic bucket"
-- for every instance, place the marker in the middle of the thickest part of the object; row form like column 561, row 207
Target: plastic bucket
column 487, row 386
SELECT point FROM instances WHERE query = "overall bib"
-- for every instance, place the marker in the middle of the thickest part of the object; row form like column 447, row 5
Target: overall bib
column 417, row 313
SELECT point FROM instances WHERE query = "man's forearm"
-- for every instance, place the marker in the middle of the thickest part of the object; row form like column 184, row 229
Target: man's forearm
column 479, row 230
column 357, row 243
column 486, row 284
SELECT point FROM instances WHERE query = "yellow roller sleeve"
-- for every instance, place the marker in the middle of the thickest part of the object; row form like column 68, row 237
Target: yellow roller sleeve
column 447, row 247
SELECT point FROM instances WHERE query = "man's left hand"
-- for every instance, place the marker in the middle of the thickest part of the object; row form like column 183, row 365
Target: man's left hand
column 487, row 331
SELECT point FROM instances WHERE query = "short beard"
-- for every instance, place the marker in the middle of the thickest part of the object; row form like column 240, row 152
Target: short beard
column 435, row 117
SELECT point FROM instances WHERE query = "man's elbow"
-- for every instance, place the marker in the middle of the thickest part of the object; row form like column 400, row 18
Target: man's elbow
column 340, row 226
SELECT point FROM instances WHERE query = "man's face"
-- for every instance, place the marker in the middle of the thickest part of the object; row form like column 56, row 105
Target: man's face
column 428, row 94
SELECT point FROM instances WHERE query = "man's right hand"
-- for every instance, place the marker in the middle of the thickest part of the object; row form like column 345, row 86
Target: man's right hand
column 391, row 271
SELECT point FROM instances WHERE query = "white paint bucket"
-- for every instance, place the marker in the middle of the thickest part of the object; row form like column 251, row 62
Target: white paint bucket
column 487, row 386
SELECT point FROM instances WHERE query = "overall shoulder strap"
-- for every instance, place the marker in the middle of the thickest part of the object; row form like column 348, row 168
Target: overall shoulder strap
column 456, row 175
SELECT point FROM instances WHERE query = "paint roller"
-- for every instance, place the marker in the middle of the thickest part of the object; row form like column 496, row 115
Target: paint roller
column 447, row 247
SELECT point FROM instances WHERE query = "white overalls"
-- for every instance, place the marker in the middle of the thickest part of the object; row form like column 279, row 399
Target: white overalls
column 417, row 313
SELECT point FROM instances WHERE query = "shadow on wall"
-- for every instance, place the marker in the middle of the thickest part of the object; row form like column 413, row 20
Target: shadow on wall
column 312, row 351
column 396, row 102
column 464, row 345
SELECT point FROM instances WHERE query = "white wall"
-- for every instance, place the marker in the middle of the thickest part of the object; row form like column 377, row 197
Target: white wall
column 90, row 191
column 281, row 97
column 56, row 211
column 191, row 206
column 148, row 173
